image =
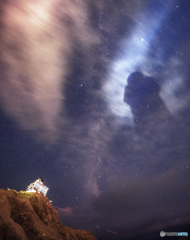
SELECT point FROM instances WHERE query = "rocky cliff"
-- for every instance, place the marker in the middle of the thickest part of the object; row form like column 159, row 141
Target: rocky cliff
column 30, row 216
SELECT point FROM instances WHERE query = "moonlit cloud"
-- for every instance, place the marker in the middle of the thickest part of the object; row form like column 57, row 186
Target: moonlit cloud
column 132, row 57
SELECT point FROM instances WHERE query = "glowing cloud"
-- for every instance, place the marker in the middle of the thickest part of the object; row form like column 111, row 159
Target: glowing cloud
column 133, row 57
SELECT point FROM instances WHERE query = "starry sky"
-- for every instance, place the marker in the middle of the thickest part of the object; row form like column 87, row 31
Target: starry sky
column 94, row 98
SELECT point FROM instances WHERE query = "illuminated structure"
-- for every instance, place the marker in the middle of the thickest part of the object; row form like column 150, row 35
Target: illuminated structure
column 37, row 188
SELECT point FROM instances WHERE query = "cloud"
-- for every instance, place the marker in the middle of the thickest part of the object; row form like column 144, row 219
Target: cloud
column 36, row 45
column 64, row 79
column 136, row 202
column 64, row 66
column 55, row 58
column 144, row 203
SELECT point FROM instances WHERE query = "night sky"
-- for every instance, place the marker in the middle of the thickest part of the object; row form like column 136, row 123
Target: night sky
column 95, row 99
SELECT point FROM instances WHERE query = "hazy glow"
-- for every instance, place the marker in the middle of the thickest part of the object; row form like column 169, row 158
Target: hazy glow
column 37, row 42
column 133, row 57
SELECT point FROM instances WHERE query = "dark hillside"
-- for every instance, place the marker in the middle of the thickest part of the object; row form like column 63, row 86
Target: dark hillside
column 30, row 216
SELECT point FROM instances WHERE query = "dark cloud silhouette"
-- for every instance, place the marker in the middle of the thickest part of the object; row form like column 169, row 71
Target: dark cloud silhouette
column 158, row 145
column 149, row 110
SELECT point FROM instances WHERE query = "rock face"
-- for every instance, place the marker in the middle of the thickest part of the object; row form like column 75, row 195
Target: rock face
column 30, row 216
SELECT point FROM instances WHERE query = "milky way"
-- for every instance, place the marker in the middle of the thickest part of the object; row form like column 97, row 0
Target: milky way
column 113, row 151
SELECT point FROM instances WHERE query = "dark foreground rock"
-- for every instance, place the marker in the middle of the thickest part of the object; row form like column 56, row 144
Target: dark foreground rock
column 30, row 216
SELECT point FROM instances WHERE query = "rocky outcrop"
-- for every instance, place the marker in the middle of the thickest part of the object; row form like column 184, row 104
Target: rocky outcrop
column 26, row 216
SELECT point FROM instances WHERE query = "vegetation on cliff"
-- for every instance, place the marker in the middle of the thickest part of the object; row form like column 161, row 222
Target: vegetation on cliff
column 31, row 216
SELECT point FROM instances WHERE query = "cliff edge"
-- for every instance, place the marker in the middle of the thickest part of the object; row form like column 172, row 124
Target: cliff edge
column 27, row 216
